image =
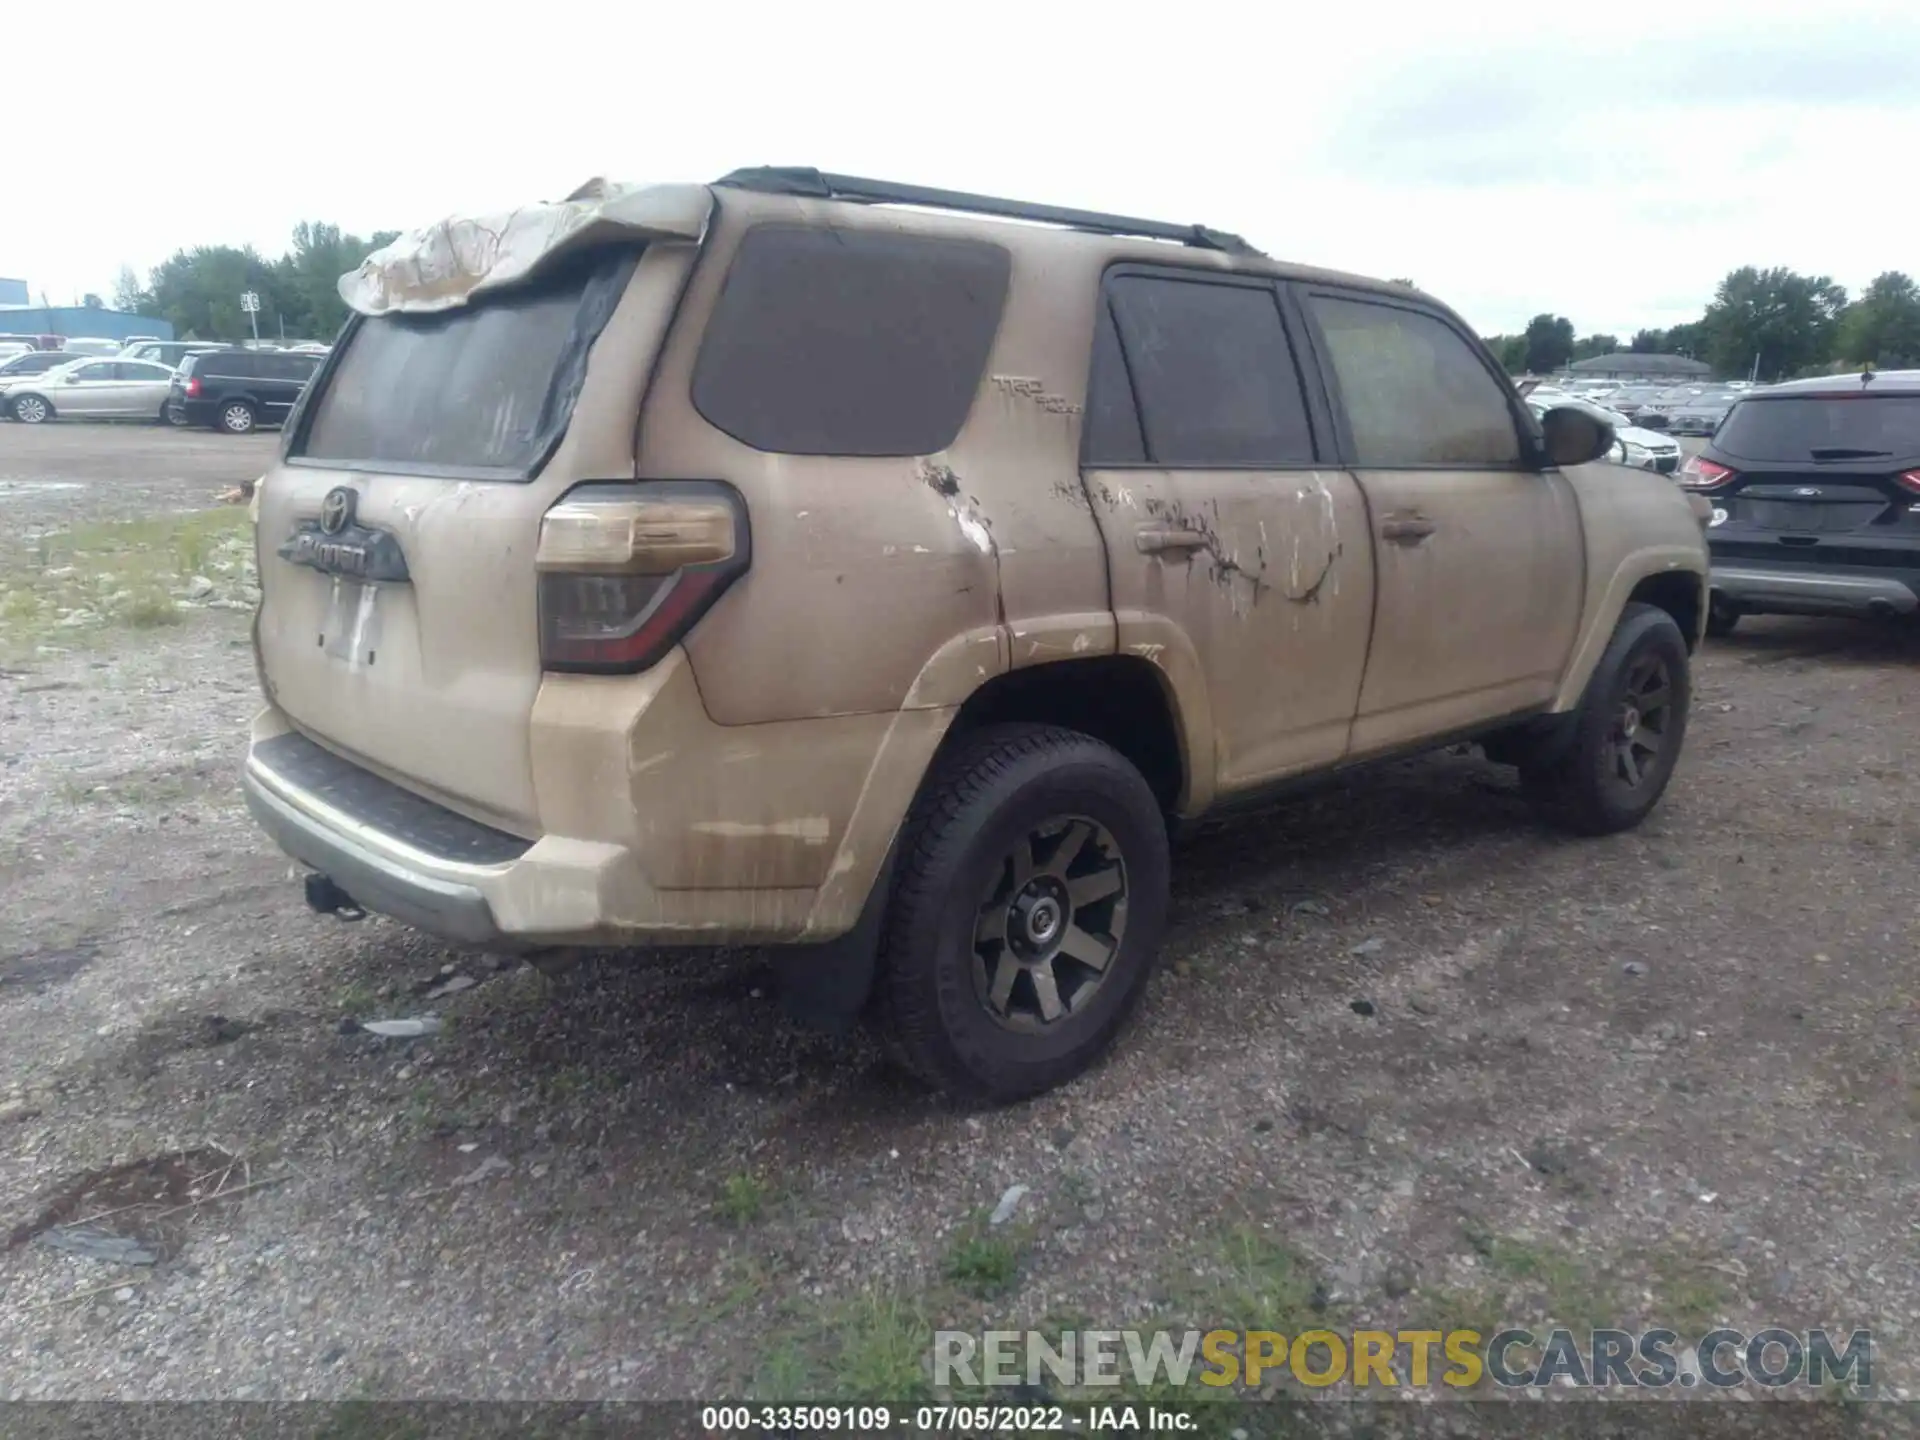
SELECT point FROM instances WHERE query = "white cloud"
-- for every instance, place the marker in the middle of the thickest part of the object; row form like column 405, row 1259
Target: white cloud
column 1610, row 165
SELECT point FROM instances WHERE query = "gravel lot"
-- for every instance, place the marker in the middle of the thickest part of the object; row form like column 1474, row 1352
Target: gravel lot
column 1411, row 1062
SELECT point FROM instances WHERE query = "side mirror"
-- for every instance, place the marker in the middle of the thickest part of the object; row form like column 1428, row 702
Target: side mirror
column 1573, row 437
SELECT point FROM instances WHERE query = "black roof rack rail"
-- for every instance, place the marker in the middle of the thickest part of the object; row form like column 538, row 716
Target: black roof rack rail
column 800, row 180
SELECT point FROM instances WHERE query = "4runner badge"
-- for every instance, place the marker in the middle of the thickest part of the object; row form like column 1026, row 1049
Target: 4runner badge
column 337, row 544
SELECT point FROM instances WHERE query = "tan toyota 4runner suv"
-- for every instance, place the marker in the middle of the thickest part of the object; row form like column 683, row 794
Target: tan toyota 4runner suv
column 836, row 565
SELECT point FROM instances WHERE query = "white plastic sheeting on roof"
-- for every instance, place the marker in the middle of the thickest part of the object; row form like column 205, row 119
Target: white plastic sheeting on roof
column 445, row 264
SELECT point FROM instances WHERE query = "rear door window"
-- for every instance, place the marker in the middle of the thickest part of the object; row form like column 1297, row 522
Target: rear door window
column 1195, row 374
column 848, row 342
column 1416, row 393
column 483, row 387
column 1823, row 427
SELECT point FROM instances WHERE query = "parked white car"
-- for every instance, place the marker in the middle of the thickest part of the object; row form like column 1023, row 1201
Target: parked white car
column 90, row 390
column 1642, row 449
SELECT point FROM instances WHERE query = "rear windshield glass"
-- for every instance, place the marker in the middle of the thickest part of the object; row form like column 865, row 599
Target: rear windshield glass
column 1810, row 427
column 487, row 386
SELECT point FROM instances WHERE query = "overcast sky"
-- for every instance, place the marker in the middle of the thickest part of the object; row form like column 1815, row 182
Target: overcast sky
column 1606, row 162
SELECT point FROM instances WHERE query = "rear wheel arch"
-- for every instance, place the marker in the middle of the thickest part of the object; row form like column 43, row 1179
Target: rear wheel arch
column 1120, row 700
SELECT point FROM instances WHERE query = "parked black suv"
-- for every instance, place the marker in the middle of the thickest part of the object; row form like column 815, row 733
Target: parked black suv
column 237, row 390
column 1815, row 487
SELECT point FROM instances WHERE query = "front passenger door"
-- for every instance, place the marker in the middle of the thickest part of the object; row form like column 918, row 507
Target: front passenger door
column 90, row 390
column 1480, row 559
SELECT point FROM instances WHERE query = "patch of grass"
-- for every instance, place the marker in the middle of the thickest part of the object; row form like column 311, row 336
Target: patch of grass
column 1255, row 1282
column 1573, row 1289
column 883, row 1340
column 743, row 1198
column 150, row 610
column 120, row 573
column 358, row 999
column 985, row 1264
column 872, row 1347
column 784, row 1374
column 1688, row 1294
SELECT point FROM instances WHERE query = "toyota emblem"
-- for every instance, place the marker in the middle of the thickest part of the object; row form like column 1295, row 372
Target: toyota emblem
column 336, row 511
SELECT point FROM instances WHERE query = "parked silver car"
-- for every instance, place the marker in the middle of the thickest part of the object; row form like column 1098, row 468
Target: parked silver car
column 91, row 390
column 1701, row 414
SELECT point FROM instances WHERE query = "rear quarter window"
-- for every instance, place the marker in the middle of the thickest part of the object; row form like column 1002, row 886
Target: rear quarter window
column 485, row 387
column 838, row 342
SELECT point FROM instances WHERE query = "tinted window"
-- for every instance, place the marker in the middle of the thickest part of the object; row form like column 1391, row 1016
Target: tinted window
column 37, row 363
column 1212, row 373
column 488, row 385
column 1415, row 392
column 1832, row 427
column 238, row 366
column 835, row 342
column 283, row 367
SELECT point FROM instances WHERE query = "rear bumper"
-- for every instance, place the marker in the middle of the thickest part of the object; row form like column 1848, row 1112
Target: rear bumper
column 450, row 906
column 1816, row 592
column 774, row 843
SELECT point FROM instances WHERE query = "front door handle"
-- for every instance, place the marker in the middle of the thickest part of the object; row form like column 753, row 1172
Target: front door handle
column 1406, row 529
column 1152, row 540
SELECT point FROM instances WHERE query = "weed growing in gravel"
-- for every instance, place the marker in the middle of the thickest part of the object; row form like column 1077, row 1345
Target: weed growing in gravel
column 872, row 1347
column 884, row 1340
column 985, row 1265
column 1254, row 1282
column 1573, row 1289
column 1688, row 1294
column 743, row 1197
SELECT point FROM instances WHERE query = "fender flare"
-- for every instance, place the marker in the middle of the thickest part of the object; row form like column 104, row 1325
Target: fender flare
column 1598, row 624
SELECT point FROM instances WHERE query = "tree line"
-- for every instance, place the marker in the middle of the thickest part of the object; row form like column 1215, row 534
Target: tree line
column 198, row 290
column 1775, row 324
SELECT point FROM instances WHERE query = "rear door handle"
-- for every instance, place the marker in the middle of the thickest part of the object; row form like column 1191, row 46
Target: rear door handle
column 1154, row 540
column 1406, row 529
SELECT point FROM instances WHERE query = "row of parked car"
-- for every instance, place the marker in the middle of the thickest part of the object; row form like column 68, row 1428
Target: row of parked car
column 1693, row 408
column 228, row 388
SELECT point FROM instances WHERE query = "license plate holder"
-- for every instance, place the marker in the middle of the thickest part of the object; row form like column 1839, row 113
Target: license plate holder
column 350, row 631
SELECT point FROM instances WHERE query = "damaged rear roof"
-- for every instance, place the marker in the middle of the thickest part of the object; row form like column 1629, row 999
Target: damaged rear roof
column 445, row 264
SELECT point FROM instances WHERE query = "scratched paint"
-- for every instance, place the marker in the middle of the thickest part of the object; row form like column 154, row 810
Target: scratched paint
column 1314, row 544
column 809, row 829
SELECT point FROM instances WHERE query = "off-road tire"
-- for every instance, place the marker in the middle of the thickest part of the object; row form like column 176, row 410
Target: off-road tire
column 1582, row 789
column 983, row 797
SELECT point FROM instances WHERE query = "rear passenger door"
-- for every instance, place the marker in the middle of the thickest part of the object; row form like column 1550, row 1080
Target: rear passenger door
column 282, row 379
column 1480, row 558
column 1237, row 545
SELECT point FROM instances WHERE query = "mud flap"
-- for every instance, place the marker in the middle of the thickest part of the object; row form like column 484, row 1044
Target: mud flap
column 825, row 986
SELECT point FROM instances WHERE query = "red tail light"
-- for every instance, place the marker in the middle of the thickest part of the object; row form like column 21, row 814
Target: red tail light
column 193, row 387
column 627, row 570
column 1910, row 479
column 1702, row 474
